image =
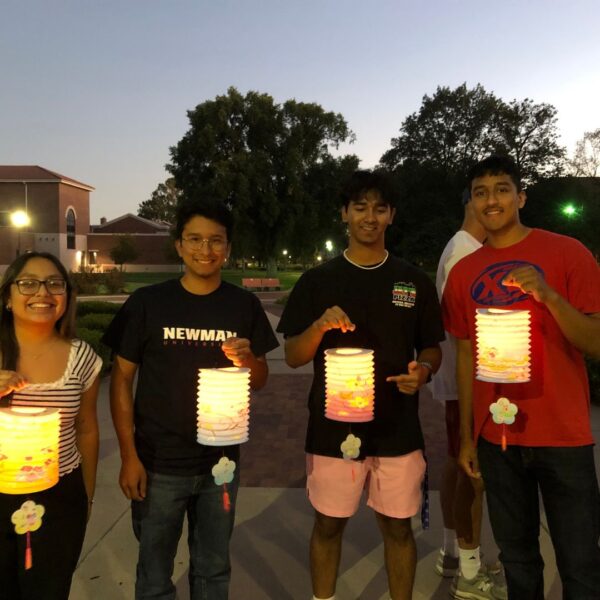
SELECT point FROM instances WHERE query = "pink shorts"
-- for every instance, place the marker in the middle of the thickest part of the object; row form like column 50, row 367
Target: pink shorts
column 393, row 484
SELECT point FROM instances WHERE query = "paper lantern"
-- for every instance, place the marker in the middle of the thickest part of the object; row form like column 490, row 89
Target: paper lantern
column 223, row 406
column 349, row 385
column 28, row 449
column 503, row 345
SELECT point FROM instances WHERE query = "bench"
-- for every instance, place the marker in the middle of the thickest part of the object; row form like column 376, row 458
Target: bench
column 270, row 284
column 252, row 283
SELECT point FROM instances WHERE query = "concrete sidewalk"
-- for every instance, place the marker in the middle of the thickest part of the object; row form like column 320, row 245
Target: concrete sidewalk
column 270, row 541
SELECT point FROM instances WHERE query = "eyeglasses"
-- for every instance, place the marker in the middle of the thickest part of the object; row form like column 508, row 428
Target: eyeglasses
column 195, row 243
column 29, row 287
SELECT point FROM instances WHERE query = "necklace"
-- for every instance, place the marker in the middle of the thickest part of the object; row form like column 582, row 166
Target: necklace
column 370, row 267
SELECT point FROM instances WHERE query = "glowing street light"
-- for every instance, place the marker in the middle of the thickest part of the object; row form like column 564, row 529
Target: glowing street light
column 329, row 245
column 284, row 252
column 19, row 219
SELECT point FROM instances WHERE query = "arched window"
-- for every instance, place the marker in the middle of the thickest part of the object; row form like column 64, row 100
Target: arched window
column 71, row 229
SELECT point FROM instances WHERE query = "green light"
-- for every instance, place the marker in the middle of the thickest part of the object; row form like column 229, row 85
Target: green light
column 569, row 210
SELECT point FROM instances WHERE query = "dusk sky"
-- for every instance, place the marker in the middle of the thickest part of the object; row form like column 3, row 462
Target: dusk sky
column 98, row 90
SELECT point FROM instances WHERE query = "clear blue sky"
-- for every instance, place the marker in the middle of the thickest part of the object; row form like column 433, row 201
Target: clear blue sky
column 98, row 90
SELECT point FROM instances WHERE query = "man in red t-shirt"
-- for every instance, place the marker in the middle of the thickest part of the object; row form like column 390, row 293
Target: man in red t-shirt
column 550, row 444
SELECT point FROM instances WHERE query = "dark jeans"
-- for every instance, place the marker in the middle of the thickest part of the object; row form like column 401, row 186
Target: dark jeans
column 566, row 478
column 158, row 522
column 55, row 546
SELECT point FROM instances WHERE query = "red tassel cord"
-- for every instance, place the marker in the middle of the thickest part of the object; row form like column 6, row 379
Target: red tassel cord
column 28, row 557
column 353, row 474
column 226, row 499
column 503, row 437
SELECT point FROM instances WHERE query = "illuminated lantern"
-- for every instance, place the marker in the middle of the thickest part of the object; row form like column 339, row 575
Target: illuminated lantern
column 28, row 449
column 223, row 406
column 503, row 345
column 349, row 385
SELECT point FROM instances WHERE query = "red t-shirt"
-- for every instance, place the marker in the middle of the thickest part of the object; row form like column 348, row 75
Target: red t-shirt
column 554, row 404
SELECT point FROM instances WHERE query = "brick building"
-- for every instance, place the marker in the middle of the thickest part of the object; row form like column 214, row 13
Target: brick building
column 59, row 222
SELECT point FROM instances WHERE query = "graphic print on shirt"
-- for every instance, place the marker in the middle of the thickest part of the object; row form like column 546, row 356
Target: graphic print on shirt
column 404, row 294
column 487, row 289
column 193, row 337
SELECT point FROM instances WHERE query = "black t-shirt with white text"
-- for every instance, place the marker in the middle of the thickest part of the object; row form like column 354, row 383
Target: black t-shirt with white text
column 170, row 333
column 396, row 312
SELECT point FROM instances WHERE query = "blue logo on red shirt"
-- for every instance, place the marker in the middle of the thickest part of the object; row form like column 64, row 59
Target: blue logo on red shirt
column 488, row 290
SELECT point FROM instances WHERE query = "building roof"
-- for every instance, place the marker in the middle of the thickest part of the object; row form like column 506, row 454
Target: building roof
column 36, row 174
column 158, row 225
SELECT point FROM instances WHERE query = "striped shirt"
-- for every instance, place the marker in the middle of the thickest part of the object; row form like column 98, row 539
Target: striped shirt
column 83, row 366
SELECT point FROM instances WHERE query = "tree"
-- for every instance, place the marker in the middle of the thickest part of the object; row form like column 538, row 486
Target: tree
column 455, row 128
column 124, row 252
column 586, row 161
column 260, row 157
column 528, row 132
column 452, row 130
column 162, row 204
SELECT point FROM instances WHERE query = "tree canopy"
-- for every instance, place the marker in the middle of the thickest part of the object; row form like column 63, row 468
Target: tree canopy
column 162, row 204
column 452, row 130
column 264, row 160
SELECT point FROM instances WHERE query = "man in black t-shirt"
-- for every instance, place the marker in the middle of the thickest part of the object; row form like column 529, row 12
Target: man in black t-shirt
column 366, row 299
column 164, row 333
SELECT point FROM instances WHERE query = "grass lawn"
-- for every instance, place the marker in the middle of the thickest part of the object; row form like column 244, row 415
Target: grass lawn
column 137, row 280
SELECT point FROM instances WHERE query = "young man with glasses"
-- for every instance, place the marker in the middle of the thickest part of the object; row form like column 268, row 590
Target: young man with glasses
column 164, row 333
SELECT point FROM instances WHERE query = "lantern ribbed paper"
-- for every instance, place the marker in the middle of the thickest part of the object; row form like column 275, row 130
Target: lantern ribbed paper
column 28, row 449
column 349, row 384
column 223, row 406
column 503, row 345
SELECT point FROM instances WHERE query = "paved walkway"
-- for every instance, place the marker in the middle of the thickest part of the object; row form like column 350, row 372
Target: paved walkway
column 274, row 519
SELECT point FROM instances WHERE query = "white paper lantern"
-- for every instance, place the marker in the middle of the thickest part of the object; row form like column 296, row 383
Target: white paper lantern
column 349, row 385
column 223, row 406
column 28, row 449
column 503, row 345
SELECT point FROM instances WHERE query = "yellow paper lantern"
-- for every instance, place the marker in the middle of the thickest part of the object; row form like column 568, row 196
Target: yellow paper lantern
column 223, row 406
column 349, row 385
column 28, row 449
column 503, row 345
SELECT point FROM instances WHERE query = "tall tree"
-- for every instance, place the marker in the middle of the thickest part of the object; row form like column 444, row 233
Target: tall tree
column 258, row 157
column 586, row 161
column 162, row 204
column 528, row 132
column 455, row 128
column 451, row 130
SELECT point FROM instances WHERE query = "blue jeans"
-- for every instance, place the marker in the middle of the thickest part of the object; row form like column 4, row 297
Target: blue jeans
column 158, row 522
column 566, row 478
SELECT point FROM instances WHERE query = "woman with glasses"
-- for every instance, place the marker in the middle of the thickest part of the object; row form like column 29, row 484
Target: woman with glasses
column 42, row 364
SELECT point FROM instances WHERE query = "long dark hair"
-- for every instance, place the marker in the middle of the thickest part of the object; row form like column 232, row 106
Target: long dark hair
column 9, row 348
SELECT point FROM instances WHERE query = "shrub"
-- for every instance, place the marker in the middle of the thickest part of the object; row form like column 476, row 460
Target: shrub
column 96, row 321
column 92, row 337
column 96, row 306
column 86, row 283
column 114, row 281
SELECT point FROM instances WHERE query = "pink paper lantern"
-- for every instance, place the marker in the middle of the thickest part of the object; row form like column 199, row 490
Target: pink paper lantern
column 349, row 385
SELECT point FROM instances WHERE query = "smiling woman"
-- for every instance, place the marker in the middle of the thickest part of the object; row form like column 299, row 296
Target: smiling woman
column 44, row 367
